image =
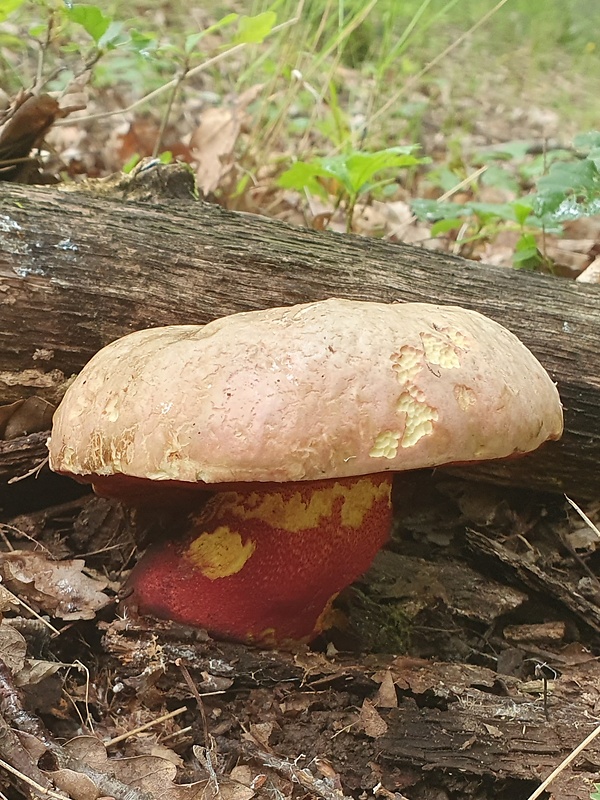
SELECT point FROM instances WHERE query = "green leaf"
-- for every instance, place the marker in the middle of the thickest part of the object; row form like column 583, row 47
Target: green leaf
column 112, row 36
column 500, row 178
column 526, row 255
column 131, row 163
column 304, row 176
column 576, row 177
column 143, row 43
column 432, row 210
column 8, row 6
column 446, row 225
column 193, row 39
column 91, row 18
column 516, row 150
column 596, row 794
column 253, row 30
column 587, row 141
column 522, row 212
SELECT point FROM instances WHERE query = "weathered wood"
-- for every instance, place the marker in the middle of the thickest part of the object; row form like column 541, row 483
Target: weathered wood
column 77, row 271
column 23, row 455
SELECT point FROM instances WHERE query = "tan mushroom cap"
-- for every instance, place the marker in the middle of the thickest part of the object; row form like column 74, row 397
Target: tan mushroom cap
column 322, row 390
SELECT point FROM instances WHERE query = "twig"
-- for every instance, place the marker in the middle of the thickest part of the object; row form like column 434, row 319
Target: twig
column 151, row 724
column 583, row 515
column 33, row 471
column 289, row 770
column 20, row 602
column 565, row 763
column 167, row 114
column 30, row 782
column 206, row 755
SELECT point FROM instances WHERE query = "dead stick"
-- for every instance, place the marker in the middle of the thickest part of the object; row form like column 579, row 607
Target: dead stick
column 287, row 769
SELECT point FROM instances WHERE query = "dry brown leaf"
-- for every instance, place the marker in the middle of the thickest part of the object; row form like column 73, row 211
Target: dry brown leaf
column 75, row 784
column 13, row 652
column 590, row 274
column 148, row 773
column 6, row 413
column 35, row 671
column 7, row 601
column 13, row 647
column 386, row 696
column 59, row 588
column 371, row 721
column 31, row 416
column 215, row 137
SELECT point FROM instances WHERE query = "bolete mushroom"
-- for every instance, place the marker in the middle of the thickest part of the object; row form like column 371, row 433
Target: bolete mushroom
column 296, row 418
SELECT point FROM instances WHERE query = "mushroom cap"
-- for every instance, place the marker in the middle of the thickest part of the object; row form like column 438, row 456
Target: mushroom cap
column 328, row 389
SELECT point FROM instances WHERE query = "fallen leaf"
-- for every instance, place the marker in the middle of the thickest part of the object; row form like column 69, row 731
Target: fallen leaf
column 590, row 274
column 386, row 696
column 214, row 139
column 370, row 720
column 147, row 773
column 58, row 588
column 32, row 416
column 13, row 647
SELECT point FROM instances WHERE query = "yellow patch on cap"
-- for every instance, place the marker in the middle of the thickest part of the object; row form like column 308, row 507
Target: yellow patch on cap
column 419, row 417
column 444, row 349
column 385, row 445
column 221, row 553
column 407, row 363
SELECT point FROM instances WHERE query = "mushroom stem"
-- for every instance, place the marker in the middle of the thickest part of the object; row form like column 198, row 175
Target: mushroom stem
column 264, row 563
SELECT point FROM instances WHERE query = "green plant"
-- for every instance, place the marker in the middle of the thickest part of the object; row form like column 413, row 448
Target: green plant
column 348, row 176
column 596, row 795
column 568, row 190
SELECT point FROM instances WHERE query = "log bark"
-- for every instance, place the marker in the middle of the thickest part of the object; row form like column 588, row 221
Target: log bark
column 78, row 270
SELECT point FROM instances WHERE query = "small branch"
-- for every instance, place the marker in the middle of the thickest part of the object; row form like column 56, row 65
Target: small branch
column 151, row 724
column 289, row 770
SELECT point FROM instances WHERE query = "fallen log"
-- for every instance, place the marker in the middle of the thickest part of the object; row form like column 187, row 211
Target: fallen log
column 78, row 270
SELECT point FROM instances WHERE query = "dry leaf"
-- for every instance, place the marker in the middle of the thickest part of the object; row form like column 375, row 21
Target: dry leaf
column 213, row 140
column 33, row 415
column 35, row 671
column 75, row 784
column 370, row 720
column 58, row 588
column 590, row 274
column 13, row 647
column 386, row 696
column 147, row 773
column 7, row 601
column 6, row 413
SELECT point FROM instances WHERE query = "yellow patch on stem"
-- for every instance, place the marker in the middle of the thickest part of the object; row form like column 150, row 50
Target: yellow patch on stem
column 302, row 510
column 220, row 553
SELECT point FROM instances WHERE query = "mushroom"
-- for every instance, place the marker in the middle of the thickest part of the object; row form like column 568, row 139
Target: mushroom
column 296, row 419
